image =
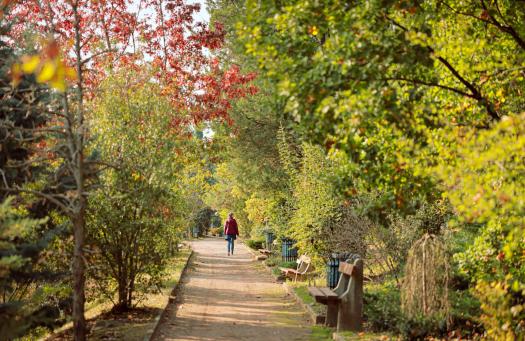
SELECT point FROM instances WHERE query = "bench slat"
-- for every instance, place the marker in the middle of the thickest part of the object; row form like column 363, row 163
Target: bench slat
column 346, row 268
column 328, row 292
column 315, row 292
column 286, row 270
column 322, row 292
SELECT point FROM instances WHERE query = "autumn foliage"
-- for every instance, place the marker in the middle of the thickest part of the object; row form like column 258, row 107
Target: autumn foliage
column 127, row 34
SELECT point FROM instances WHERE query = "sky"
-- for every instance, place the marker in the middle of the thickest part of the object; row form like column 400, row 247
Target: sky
column 203, row 15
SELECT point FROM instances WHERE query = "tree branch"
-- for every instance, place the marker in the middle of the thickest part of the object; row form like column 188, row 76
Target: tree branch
column 475, row 93
column 504, row 28
column 43, row 195
column 437, row 85
column 88, row 59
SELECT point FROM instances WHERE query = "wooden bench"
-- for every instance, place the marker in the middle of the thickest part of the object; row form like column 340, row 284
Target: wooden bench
column 345, row 302
column 304, row 267
column 265, row 252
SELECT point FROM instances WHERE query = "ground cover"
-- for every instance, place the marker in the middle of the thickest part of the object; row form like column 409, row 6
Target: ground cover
column 135, row 324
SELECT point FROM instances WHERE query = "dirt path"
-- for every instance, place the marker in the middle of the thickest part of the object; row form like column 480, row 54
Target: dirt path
column 227, row 298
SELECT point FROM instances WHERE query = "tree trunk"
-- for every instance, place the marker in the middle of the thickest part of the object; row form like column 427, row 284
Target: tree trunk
column 79, row 225
column 79, row 277
column 122, row 293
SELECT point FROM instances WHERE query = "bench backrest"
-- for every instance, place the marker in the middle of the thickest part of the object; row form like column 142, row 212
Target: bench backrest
column 349, row 290
column 348, row 271
column 304, row 258
column 346, row 268
column 303, row 263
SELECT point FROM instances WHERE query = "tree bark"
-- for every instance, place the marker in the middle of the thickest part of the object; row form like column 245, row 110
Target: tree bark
column 79, row 215
column 79, row 277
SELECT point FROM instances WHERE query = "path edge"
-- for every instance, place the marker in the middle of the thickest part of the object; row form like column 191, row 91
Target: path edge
column 151, row 332
column 315, row 318
column 266, row 268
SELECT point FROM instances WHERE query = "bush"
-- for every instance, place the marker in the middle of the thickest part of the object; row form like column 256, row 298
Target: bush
column 421, row 327
column 382, row 307
column 292, row 265
column 255, row 244
column 382, row 312
column 127, row 270
column 272, row 261
column 465, row 312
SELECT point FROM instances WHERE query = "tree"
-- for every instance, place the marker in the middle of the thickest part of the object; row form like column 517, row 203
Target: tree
column 130, row 239
column 26, row 230
column 249, row 176
column 415, row 96
column 131, row 226
column 203, row 219
column 22, row 308
column 109, row 34
column 485, row 184
column 68, row 21
column 383, row 81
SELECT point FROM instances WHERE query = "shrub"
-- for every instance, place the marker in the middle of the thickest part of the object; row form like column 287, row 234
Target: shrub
column 396, row 238
column 421, row 327
column 272, row 261
column 503, row 309
column 122, row 270
column 255, row 244
column 425, row 285
column 465, row 312
column 382, row 307
column 382, row 312
column 292, row 265
column 486, row 185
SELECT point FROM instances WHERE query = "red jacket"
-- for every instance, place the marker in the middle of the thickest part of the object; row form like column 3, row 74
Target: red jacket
column 230, row 227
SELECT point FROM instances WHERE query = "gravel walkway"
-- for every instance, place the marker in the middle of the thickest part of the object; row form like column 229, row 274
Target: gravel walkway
column 228, row 298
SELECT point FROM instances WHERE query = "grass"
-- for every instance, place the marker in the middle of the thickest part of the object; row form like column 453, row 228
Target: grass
column 320, row 333
column 366, row 336
column 275, row 262
column 132, row 325
column 301, row 290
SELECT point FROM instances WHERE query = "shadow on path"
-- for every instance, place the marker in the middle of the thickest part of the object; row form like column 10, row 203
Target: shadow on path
column 226, row 298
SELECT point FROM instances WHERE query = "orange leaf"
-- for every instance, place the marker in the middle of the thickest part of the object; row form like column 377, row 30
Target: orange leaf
column 51, row 50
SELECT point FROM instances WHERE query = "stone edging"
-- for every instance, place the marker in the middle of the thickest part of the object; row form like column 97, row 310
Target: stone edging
column 267, row 268
column 316, row 318
column 151, row 332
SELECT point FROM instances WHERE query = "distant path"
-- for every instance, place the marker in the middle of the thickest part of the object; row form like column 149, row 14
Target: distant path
column 227, row 298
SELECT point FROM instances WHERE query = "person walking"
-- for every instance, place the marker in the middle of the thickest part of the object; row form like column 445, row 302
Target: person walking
column 231, row 232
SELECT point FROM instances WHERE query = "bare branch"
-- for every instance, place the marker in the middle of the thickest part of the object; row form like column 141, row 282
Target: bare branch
column 88, row 59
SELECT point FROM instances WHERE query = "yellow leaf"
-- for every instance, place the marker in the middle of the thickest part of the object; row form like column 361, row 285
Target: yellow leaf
column 71, row 73
column 58, row 84
column 60, row 72
column 47, row 72
column 30, row 63
column 16, row 74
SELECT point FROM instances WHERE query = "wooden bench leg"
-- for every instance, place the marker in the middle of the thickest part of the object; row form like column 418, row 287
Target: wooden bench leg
column 331, row 313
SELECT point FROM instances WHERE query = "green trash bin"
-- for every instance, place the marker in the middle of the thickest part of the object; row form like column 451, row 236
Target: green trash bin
column 269, row 237
column 288, row 251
